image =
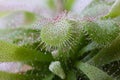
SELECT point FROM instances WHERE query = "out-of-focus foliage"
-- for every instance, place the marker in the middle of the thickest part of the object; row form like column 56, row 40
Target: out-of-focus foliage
column 114, row 12
column 63, row 47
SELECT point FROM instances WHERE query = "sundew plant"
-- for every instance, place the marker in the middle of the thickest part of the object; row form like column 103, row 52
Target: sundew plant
column 60, row 41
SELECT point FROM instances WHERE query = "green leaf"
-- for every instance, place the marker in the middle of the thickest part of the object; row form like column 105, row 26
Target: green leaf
column 92, row 72
column 68, row 4
column 49, row 77
column 101, row 32
column 115, row 10
column 95, row 9
column 38, row 64
column 90, row 54
column 13, row 53
column 25, row 18
column 87, row 48
column 12, row 76
column 4, row 13
column 71, row 75
column 3, row 32
column 51, row 4
column 107, row 54
column 21, row 36
column 40, row 73
column 29, row 17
